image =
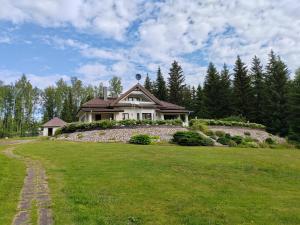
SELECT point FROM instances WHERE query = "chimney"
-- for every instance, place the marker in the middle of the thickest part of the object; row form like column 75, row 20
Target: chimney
column 105, row 93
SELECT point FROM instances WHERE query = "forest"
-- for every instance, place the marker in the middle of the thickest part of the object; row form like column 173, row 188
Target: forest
column 255, row 93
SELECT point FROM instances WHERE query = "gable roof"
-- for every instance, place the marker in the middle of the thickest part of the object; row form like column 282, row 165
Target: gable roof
column 137, row 87
column 98, row 104
column 55, row 122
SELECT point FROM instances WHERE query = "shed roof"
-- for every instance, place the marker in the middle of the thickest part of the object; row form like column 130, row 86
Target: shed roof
column 55, row 122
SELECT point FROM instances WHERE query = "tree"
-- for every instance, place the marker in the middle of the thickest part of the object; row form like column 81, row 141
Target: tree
column 225, row 95
column 160, row 86
column 69, row 108
column 258, row 91
column 241, row 89
column 211, row 92
column 187, row 97
column 49, row 103
column 115, row 86
column 277, row 95
column 294, row 102
column 148, row 84
column 99, row 90
column 176, row 84
column 198, row 103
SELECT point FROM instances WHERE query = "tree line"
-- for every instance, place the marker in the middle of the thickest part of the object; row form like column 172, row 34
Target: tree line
column 259, row 94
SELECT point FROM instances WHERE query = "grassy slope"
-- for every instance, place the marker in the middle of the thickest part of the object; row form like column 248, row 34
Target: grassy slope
column 128, row 184
column 12, row 173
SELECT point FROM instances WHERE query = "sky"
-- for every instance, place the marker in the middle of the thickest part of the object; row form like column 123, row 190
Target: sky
column 97, row 39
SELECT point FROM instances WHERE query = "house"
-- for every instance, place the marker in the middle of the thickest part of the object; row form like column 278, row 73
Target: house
column 51, row 126
column 136, row 103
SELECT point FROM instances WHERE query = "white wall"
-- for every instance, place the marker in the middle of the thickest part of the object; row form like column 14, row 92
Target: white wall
column 45, row 131
column 133, row 113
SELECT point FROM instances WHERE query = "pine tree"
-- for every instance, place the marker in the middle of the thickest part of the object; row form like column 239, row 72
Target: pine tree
column 176, row 84
column 69, row 108
column 187, row 97
column 148, row 83
column 294, row 101
column 241, row 89
column 225, row 105
column 199, row 104
column 211, row 92
column 258, row 91
column 160, row 86
column 277, row 95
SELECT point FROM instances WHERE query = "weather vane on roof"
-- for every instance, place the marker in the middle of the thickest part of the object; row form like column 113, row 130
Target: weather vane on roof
column 138, row 77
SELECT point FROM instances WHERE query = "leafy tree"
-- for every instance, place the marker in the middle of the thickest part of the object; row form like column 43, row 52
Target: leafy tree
column 69, row 108
column 294, row 100
column 98, row 90
column 160, row 86
column 258, row 91
column 211, row 92
column 241, row 89
column 277, row 95
column 176, row 84
column 115, row 86
column 49, row 103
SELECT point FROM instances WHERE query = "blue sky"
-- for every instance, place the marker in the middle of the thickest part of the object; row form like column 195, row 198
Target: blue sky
column 95, row 40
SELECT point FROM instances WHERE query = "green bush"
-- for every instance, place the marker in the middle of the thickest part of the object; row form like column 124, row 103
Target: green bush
column 140, row 139
column 227, row 123
column 247, row 133
column 58, row 131
column 232, row 143
column 224, row 140
column 270, row 141
column 107, row 124
column 220, row 133
column 197, row 125
column 191, row 138
column 237, row 139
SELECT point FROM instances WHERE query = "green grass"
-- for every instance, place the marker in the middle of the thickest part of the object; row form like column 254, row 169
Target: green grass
column 12, row 173
column 122, row 184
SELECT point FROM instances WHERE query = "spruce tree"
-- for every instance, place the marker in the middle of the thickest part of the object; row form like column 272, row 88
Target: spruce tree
column 277, row 95
column 199, row 104
column 211, row 92
column 294, row 101
column 176, row 84
column 225, row 97
column 258, row 91
column 148, row 84
column 241, row 89
column 187, row 97
column 160, row 86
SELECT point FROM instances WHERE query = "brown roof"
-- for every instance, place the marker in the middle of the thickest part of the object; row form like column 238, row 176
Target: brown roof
column 55, row 122
column 111, row 103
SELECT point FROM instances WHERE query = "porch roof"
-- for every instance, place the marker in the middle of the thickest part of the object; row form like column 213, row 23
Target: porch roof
column 96, row 109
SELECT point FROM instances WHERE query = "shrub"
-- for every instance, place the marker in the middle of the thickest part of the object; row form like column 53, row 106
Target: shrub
column 191, row 138
column 58, row 131
column 252, row 144
column 223, row 140
column 80, row 135
column 247, row 133
column 197, row 125
column 220, row 133
column 140, row 139
column 231, row 143
column 237, row 139
column 227, row 135
column 209, row 133
column 270, row 141
column 235, row 118
column 227, row 123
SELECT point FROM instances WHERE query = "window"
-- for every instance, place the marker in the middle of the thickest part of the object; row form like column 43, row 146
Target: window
column 131, row 99
column 147, row 116
column 138, row 116
column 125, row 116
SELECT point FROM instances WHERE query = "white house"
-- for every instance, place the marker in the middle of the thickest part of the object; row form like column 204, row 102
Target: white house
column 51, row 126
column 136, row 103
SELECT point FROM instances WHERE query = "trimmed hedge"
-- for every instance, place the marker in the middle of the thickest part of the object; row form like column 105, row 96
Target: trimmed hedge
column 140, row 139
column 226, row 123
column 107, row 124
column 191, row 138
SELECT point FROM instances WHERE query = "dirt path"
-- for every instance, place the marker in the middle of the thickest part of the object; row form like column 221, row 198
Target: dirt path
column 35, row 191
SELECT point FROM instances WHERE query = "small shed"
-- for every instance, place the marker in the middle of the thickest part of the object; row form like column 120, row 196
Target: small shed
column 51, row 126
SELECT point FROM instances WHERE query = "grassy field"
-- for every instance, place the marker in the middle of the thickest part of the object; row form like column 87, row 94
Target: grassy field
column 127, row 184
column 12, row 174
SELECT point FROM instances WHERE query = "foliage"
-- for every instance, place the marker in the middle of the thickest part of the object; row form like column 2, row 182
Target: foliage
column 270, row 141
column 115, row 86
column 140, row 139
column 220, row 133
column 176, row 84
column 199, row 125
column 191, row 138
column 160, row 86
column 212, row 122
column 107, row 124
column 148, row 84
column 235, row 118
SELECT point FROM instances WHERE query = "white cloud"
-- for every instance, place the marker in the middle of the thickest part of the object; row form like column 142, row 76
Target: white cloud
column 5, row 40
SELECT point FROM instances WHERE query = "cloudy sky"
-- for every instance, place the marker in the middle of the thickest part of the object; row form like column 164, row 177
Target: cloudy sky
column 95, row 39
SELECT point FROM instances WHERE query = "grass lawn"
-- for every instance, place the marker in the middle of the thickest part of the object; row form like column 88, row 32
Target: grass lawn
column 122, row 184
column 12, row 173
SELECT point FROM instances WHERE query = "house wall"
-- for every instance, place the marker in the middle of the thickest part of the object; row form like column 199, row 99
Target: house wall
column 45, row 131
